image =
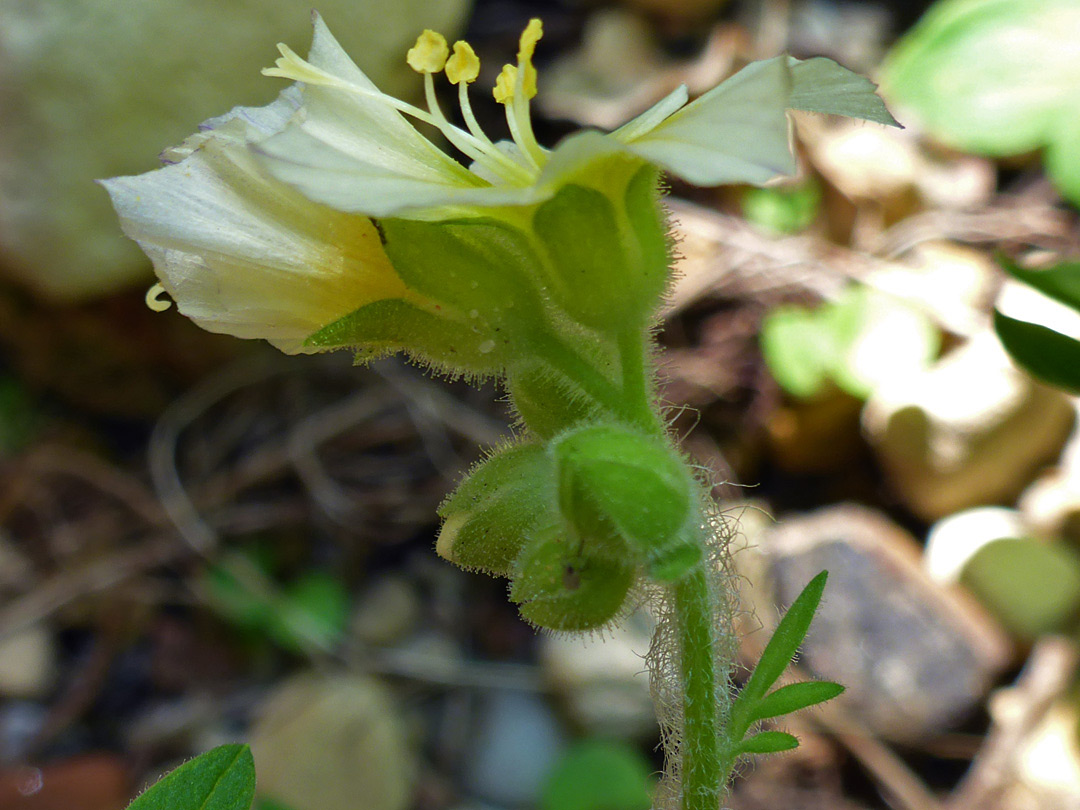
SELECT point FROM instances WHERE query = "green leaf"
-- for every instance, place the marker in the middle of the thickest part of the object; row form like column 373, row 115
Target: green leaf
column 598, row 775
column 768, row 742
column 995, row 77
column 821, row 85
column 312, row 611
column 1048, row 355
column 778, row 653
column 1061, row 282
column 221, row 779
column 782, row 210
column 794, row 697
column 1062, row 157
column 797, row 351
column 1033, row 587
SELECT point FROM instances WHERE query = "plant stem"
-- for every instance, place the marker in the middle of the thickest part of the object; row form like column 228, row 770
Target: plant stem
column 636, row 379
column 701, row 770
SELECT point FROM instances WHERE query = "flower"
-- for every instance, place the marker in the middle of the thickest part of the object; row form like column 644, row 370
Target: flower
column 260, row 225
column 354, row 150
column 245, row 254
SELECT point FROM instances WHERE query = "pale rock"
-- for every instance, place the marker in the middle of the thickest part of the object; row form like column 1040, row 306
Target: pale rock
column 1048, row 764
column 27, row 663
column 953, row 284
column 602, row 680
column 96, row 88
column 386, row 612
column 971, row 430
column 953, row 540
column 514, row 746
column 879, row 163
column 332, row 743
column 1051, row 505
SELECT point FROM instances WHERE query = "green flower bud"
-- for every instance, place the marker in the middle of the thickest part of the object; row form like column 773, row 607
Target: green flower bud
column 561, row 589
column 502, row 502
column 639, row 485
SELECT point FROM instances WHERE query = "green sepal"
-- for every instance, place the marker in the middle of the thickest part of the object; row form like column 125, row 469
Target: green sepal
column 394, row 325
column 600, row 279
column 490, row 515
column 221, row 779
column 768, row 742
column 547, row 401
column 481, row 267
column 636, row 483
column 648, row 222
column 560, row 589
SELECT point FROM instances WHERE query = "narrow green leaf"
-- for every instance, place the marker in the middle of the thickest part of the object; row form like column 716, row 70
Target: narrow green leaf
column 1061, row 282
column 768, row 742
column 777, row 654
column 1048, row 355
column 793, row 698
column 221, row 779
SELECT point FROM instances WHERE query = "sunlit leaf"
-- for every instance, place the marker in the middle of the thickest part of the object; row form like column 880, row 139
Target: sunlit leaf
column 1048, row 355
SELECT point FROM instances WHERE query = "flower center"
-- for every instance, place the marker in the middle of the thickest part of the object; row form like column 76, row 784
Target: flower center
column 515, row 86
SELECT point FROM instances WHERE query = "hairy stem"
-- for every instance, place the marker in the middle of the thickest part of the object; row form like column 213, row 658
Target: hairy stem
column 701, row 770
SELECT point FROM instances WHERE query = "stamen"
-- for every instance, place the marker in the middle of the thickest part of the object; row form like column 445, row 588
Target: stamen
column 429, row 53
column 494, row 160
column 464, row 66
column 154, row 300
column 525, row 88
column 462, row 69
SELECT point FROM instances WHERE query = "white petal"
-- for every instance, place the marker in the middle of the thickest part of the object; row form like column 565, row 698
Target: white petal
column 735, row 133
column 356, row 152
column 651, row 118
column 244, row 254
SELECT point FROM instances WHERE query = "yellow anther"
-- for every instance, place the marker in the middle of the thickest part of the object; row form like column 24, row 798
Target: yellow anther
column 464, row 65
column 154, row 299
column 429, row 53
column 504, row 84
column 529, row 37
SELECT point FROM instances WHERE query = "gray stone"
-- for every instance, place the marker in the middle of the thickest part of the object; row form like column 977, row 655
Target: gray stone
column 915, row 657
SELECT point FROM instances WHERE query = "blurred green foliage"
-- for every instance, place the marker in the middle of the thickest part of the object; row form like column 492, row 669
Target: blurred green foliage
column 995, row 77
column 309, row 612
column 784, row 210
column 1033, row 587
column 852, row 342
column 599, row 775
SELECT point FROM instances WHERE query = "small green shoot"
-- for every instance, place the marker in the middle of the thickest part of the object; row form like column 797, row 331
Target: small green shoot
column 755, row 702
column 221, row 779
column 308, row 613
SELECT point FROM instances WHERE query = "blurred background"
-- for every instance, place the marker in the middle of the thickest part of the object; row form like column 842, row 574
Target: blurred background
column 203, row 541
